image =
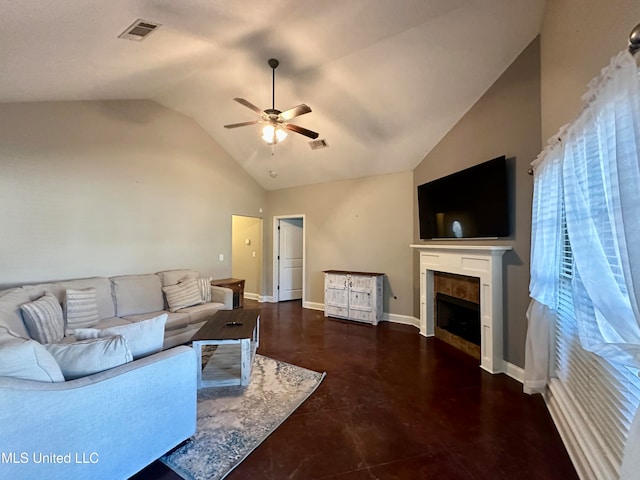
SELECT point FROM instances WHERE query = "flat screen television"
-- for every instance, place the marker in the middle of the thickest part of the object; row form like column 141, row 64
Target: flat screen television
column 472, row 203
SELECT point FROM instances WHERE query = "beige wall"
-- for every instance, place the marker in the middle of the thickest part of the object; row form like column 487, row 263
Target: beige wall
column 578, row 39
column 505, row 121
column 246, row 260
column 107, row 188
column 363, row 224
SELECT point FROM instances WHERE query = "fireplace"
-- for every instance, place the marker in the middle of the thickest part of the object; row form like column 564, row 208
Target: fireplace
column 457, row 311
column 483, row 262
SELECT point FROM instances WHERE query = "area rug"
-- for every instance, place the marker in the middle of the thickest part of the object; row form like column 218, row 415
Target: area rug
column 233, row 421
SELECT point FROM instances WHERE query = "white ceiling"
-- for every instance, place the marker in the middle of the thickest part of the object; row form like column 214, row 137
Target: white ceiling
column 386, row 79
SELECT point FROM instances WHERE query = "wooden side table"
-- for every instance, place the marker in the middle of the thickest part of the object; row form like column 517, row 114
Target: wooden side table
column 235, row 284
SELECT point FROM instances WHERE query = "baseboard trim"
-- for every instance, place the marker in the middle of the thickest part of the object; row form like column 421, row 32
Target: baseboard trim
column 313, row 305
column 514, row 371
column 401, row 319
column 252, row 296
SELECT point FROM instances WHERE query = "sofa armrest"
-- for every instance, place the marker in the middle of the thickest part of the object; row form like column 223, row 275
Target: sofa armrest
column 222, row 295
column 108, row 425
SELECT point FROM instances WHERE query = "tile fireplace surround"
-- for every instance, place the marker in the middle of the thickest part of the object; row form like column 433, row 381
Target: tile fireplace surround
column 483, row 262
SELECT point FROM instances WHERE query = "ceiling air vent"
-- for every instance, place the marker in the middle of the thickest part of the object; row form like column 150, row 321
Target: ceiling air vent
column 316, row 144
column 139, row 30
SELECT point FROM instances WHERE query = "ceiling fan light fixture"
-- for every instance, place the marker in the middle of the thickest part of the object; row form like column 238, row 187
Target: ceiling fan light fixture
column 273, row 135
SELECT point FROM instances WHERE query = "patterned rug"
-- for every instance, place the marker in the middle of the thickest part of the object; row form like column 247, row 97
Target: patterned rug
column 233, row 421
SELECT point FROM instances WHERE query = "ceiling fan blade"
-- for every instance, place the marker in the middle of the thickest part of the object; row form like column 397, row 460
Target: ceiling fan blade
column 243, row 124
column 248, row 104
column 302, row 131
column 295, row 112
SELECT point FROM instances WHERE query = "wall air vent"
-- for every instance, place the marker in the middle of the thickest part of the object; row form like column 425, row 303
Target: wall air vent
column 316, row 144
column 139, row 30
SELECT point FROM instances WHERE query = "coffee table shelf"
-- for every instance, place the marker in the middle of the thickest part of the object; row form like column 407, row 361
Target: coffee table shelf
column 236, row 346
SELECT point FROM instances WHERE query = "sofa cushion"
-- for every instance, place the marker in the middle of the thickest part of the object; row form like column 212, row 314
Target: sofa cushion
column 172, row 277
column 87, row 357
column 43, row 318
column 113, row 322
column 136, row 294
column 10, row 313
column 144, row 337
column 26, row 359
column 80, row 309
column 201, row 312
column 184, row 294
column 175, row 321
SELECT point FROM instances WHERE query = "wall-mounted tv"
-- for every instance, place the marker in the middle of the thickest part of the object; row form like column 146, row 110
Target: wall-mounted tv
column 472, row 203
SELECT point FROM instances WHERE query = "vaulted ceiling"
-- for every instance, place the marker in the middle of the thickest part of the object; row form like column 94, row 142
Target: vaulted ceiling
column 385, row 79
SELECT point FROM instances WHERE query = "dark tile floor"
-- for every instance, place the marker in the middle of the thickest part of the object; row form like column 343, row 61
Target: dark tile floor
column 395, row 406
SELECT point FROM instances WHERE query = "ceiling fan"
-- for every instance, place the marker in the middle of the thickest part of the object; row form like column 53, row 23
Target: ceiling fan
column 276, row 123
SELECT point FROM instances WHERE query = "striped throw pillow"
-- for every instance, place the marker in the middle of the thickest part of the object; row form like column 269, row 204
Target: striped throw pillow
column 184, row 294
column 81, row 309
column 43, row 318
column 205, row 288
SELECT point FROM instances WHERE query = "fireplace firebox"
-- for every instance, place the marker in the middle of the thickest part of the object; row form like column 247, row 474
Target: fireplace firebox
column 458, row 317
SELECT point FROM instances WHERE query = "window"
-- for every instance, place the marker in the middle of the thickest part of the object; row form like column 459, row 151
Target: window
column 585, row 269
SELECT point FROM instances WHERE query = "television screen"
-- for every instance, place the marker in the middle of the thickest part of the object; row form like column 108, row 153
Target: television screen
column 471, row 203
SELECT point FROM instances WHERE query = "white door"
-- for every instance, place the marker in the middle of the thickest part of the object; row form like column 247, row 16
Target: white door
column 290, row 259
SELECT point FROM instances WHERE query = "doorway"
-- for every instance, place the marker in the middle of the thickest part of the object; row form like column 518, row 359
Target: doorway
column 288, row 258
column 246, row 253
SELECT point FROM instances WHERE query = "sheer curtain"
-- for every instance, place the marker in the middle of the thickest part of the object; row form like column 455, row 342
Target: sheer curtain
column 601, row 179
column 585, row 276
column 546, row 247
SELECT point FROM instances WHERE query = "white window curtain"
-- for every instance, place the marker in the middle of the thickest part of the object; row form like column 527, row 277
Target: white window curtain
column 601, row 179
column 546, row 245
column 585, row 276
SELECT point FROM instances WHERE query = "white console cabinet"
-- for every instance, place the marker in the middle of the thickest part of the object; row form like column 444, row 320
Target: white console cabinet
column 353, row 295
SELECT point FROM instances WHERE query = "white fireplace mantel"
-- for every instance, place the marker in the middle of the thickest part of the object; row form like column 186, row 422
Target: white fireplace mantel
column 483, row 262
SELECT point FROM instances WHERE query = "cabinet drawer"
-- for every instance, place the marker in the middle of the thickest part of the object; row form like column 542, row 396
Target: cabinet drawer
column 358, row 282
column 331, row 311
column 336, row 281
column 362, row 315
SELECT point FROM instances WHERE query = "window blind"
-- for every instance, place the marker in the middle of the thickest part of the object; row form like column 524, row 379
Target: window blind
column 598, row 398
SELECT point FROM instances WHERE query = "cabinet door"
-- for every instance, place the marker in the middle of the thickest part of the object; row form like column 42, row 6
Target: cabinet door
column 359, row 300
column 336, row 295
column 360, row 288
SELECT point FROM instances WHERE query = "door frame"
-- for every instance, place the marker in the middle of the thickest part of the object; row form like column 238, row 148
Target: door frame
column 276, row 246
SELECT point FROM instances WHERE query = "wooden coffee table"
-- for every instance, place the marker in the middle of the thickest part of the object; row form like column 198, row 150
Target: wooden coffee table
column 236, row 334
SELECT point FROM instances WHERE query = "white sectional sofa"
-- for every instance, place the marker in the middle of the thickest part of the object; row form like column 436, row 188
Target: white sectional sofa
column 109, row 424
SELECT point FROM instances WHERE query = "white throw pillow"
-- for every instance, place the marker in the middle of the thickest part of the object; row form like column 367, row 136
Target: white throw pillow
column 87, row 357
column 81, row 309
column 144, row 337
column 43, row 318
column 184, row 294
column 26, row 359
column 205, row 288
